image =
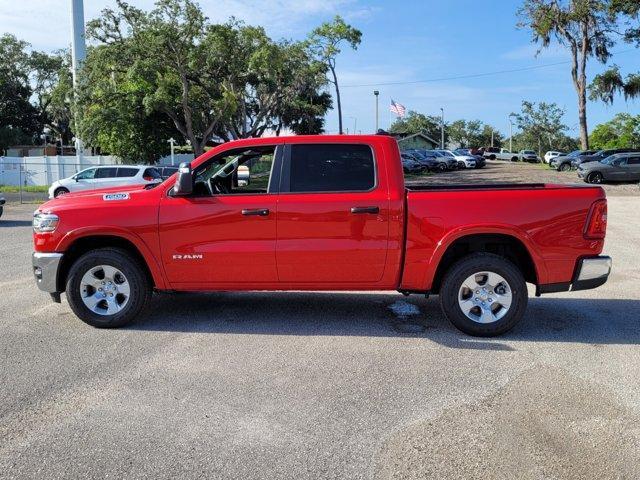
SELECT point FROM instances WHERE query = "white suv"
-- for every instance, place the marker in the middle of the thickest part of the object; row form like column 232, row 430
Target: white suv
column 550, row 155
column 105, row 177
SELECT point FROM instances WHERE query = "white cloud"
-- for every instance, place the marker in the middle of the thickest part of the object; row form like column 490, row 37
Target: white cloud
column 46, row 23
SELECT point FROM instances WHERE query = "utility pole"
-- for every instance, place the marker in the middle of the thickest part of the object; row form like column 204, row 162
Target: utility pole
column 510, row 135
column 172, row 142
column 492, row 137
column 78, row 55
column 355, row 124
column 376, row 93
column 442, row 128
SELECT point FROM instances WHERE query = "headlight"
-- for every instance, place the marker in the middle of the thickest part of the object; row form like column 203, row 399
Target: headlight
column 44, row 222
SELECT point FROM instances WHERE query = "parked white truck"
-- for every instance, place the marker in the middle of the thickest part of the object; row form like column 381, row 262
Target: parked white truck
column 500, row 154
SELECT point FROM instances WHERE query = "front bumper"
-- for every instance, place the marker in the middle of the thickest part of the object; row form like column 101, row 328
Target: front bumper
column 45, row 270
column 590, row 272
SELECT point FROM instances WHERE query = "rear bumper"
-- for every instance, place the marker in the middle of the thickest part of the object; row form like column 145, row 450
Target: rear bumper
column 45, row 270
column 590, row 272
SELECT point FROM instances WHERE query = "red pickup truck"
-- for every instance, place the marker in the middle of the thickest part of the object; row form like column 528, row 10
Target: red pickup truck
column 319, row 213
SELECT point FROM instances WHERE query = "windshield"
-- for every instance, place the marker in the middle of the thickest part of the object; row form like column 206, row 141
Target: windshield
column 575, row 153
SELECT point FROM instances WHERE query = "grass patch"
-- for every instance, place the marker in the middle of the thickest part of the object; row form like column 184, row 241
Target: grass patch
column 28, row 189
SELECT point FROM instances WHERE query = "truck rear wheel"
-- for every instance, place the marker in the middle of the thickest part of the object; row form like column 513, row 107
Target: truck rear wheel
column 483, row 295
column 107, row 288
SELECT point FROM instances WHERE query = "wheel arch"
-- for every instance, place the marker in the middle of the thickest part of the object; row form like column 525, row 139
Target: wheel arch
column 77, row 246
column 503, row 244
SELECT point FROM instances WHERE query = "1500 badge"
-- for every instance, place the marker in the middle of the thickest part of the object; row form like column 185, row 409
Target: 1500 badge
column 108, row 197
column 195, row 256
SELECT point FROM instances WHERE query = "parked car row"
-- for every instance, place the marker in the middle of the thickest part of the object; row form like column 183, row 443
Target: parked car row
column 110, row 176
column 421, row 160
column 598, row 166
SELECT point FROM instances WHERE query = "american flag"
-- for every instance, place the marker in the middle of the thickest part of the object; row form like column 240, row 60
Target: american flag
column 398, row 109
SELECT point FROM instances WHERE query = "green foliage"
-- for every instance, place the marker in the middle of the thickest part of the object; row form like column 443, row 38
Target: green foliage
column 606, row 85
column 586, row 28
column 169, row 72
column 473, row 133
column 623, row 131
column 415, row 122
column 541, row 128
column 18, row 117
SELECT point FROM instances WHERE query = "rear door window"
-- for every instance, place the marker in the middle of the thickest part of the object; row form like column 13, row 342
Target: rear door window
column 331, row 168
column 107, row 172
column 127, row 172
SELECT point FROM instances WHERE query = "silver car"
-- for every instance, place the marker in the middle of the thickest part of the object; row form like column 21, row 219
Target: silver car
column 622, row 167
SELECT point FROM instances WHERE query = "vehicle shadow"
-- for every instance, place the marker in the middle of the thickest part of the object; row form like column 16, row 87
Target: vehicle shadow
column 576, row 320
column 15, row 223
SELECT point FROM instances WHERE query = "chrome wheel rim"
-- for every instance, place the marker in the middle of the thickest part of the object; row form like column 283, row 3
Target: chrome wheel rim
column 485, row 297
column 105, row 290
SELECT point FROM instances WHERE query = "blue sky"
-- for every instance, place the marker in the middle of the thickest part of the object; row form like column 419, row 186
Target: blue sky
column 403, row 41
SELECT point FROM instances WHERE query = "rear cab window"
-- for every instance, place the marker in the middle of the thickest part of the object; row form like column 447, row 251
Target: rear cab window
column 318, row 168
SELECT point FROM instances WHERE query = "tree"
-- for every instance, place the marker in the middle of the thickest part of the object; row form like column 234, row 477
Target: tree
column 585, row 27
column 53, row 91
column 415, row 122
column 607, row 85
column 325, row 42
column 206, row 80
column 473, row 133
column 18, row 117
column 623, row 131
column 541, row 126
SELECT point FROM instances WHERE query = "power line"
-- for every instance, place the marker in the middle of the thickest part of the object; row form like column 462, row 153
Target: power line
column 473, row 75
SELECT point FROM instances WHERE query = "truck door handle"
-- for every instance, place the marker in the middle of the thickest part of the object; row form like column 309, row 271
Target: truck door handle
column 261, row 212
column 374, row 210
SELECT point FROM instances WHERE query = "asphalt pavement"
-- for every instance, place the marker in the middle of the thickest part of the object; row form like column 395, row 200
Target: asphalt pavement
column 320, row 385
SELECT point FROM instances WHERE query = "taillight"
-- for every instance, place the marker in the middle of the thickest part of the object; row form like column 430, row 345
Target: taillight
column 148, row 179
column 596, row 226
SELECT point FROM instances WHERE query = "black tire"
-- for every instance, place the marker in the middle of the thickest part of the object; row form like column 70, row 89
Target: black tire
column 564, row 167
column 466, row 267
column 595, row 177
column 442, row 167
column 60, row 191
column 492, row 157
column 140, row 287
column 514, row 159
column 1, row 211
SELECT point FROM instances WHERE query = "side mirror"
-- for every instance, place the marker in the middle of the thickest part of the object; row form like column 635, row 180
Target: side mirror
column 184, row 182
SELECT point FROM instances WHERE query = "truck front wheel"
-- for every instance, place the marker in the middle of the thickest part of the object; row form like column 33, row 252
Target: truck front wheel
column 483, row 295
column 107, row 288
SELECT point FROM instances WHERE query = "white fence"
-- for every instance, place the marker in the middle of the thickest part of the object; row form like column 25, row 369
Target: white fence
column 41, row 171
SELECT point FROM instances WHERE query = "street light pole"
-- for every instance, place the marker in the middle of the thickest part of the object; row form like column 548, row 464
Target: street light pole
column 442, row 128
column 78, row 54
column 376, row 93
column 172, row 142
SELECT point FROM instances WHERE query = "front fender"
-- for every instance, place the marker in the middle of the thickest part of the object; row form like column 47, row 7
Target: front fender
column 114, row 231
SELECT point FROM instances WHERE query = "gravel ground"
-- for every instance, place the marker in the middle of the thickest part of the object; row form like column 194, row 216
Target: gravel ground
column 518, row 172
column 320, row 385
